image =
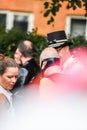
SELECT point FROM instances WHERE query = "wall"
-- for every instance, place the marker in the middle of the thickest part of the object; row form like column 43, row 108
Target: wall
column 36, row 7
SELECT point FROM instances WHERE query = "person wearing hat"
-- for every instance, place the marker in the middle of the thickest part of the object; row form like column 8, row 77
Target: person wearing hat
column 49, row 63
column 69, row 63
column 52, row 80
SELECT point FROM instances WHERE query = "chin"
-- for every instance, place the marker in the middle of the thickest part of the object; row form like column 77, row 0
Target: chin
column 10, row 88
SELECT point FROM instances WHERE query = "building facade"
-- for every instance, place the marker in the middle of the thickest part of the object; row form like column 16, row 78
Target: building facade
column 28, row 15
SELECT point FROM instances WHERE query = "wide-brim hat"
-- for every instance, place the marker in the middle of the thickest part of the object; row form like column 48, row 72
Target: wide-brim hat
column 57, row 39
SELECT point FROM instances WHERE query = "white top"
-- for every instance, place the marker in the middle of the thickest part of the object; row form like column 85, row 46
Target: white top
column 8, row 95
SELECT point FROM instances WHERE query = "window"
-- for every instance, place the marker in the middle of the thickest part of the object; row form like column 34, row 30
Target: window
column 24, row 21
column 76, row 26
column 21, row 22
column 3, row 19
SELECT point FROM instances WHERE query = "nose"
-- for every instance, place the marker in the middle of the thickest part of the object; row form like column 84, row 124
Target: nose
column 14, row 79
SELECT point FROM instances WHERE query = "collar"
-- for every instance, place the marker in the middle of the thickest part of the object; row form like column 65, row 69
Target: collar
column 28, row 61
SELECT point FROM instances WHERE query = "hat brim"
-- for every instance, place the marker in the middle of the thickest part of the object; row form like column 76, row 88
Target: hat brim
column 62, row 44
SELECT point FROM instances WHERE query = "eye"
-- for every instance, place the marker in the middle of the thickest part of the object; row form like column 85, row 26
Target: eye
column 10, row 77
column 16, row 77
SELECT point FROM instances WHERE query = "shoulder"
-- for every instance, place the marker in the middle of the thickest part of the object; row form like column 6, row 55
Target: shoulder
column 45, row 79
column 3, row 98
column 46, row 83
column 4, row 103
column 47, row 88
column 23, row 71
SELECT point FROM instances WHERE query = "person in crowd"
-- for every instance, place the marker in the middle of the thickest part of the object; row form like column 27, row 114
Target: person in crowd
column 69, row 63
column 50, row 67
column 24, row 55
column 54, row 82
column 8, row 78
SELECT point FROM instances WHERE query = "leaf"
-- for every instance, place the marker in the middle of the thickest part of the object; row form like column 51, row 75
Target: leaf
column 79, row 4
column 55, row 9
column 74, row 7
column 47, row 13
column 60, row 5
column 48, row 22
column 52, row 19
column 46, row 5
column 55, row 1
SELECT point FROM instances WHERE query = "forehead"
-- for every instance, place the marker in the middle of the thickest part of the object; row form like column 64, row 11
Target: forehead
column 17, row 51
column 59, row 48
column 28, row 44
column 11, row 70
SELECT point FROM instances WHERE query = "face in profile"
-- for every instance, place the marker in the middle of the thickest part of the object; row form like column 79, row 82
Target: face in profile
column 9, row 78
column 62, row 51
column 17, row 57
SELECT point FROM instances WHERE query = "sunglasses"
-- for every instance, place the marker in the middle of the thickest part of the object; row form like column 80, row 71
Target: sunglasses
column 50, row 61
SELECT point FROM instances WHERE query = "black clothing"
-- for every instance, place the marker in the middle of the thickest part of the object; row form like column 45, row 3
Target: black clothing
column 33, row 69
column 26, row 73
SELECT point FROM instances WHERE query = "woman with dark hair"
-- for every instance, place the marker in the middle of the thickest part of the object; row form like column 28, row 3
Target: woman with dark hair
column 8, row 77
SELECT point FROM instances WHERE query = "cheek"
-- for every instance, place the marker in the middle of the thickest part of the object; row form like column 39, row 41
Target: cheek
column 5, row 80
column 60, row 54
column 18, row 60
column 16, row 56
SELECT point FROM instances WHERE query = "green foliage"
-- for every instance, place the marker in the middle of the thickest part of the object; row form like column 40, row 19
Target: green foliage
column 74, row 4
column 46, row 13
column 10, row 39
column 78, row 41
column 51, row 10
column 54, row 6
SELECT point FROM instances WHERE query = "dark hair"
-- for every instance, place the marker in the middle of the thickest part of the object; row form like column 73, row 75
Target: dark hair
column 26, row 50
column 6, row 62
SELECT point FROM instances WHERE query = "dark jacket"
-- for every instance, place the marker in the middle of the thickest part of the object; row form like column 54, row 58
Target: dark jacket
column 26, row 73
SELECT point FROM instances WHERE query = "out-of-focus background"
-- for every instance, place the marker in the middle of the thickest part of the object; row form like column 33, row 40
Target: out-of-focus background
column 33, row 19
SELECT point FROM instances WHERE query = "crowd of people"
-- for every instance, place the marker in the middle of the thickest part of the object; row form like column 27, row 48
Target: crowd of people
column 58, row 71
